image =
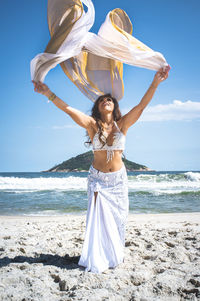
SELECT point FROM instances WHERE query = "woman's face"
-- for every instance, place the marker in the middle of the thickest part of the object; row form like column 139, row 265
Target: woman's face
column 106, row 104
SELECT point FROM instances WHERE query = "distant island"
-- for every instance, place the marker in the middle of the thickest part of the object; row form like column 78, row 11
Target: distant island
column 83, row 162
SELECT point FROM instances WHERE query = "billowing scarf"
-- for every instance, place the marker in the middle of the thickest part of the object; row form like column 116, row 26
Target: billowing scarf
column 94, row 63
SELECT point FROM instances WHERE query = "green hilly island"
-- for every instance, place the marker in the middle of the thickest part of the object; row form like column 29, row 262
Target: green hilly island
column 83, row 162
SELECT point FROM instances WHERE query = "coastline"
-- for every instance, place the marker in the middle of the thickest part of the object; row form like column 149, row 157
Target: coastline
column 138, row 217
column 40, row 253
column 84, row 170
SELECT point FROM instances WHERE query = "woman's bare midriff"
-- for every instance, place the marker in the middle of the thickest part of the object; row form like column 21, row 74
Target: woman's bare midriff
column 101, row 164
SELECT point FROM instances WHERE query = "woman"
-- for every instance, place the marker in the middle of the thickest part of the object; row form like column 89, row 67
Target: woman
column 107, row 180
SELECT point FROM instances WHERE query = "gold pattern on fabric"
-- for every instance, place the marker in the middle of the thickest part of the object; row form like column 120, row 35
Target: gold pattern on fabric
column 87, row 68
column 122, row 23
column 93, row 62
column 60, row 32
column 58, row 10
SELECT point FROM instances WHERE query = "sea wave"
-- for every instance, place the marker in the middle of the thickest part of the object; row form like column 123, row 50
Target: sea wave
column 160, row 183
column 191, row 176
column 167, row 177
column 42, row 183
column 165, row 192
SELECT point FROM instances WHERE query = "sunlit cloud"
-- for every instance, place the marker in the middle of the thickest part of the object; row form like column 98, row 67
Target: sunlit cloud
column 178, row 111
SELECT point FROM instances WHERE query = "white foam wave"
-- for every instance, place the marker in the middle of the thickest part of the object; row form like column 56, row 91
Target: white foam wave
column 187, row 176
column 169, row 191
column 156, row 184
column 42, row 183
column 174, row 186
column 165, row 183
column 193, row 176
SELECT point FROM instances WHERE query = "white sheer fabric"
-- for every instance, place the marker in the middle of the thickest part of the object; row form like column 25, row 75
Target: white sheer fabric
column 104, row 242
column 93, row 62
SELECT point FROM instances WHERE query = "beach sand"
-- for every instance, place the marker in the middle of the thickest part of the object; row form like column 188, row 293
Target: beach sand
column 39, row 258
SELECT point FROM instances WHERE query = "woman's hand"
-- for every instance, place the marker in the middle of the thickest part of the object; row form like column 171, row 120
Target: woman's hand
column 41, row 88
column 161, row 75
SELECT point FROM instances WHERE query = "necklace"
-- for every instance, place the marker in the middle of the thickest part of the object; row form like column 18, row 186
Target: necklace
column 108, row 127
column 107, row 130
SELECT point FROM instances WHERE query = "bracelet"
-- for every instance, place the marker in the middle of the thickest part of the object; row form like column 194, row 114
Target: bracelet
column 52, row 96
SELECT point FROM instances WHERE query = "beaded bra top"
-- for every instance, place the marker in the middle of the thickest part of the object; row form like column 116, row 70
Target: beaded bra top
column 118, row 143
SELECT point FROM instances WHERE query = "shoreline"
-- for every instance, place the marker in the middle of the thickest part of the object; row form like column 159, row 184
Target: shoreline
column 137, row 216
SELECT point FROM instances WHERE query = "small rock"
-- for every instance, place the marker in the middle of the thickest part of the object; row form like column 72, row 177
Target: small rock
column 72, row 294
column 162, row 259
column 22, row 243
column 196, row 283
column 173, row 233
column 22, row 250
column 62, row 285
column 192, row 291
column 74, row 287
column 158, row 288
column 192, row 257
column 137, row 280
column 22, row 267
column 147, row 257
column 2, row 249
column 169, row 244
column 190, row 238
column 160, row 271
column 7, row 237
column 159, row 285
column 56, row 278
column 127, row 244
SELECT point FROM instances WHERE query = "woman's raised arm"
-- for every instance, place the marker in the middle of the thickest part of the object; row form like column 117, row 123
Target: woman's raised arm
column 79, row 117
column 133, row 115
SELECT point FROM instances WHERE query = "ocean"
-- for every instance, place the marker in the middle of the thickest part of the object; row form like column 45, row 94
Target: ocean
column 43, row 194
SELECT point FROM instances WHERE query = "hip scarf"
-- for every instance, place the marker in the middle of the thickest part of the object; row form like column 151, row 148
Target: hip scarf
column 104, row 242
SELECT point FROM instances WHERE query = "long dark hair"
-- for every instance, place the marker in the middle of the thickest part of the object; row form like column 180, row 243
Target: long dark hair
column 97, row 116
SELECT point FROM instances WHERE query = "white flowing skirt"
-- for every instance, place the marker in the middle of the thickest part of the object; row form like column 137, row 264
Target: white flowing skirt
column 104, row 242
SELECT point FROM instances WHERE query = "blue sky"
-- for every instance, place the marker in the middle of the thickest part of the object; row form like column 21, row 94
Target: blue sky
column 36, row 135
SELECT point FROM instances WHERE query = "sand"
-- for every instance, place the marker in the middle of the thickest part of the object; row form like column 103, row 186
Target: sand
column 39, row 258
